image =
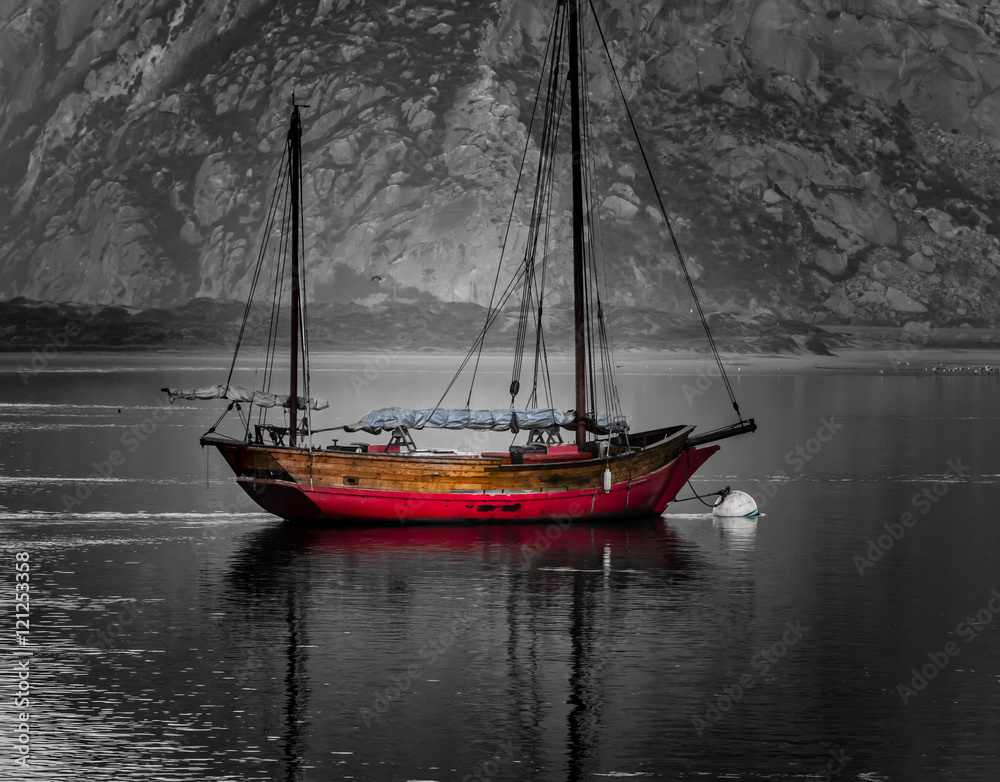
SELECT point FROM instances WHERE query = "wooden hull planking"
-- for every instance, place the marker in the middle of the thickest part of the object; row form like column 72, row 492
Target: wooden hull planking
column 375, row 487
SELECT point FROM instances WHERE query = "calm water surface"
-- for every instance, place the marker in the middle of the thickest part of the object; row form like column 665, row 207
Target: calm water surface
column 178, row 634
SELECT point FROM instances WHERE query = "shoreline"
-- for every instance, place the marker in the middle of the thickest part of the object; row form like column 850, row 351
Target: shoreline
column 865, row 360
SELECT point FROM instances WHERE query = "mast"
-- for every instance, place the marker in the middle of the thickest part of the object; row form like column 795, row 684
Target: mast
column 578, row 311
column 295, row 168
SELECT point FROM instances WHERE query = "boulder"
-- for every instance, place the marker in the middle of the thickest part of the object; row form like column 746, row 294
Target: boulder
column 839, row 304
column 940, row 222
column 422, row 120
column 900, row 302
column 619, row 207
column 921, row 263
column 870, row 299
column 343, row 151
column 171, row 105
column 868, row 218
column 834, row 264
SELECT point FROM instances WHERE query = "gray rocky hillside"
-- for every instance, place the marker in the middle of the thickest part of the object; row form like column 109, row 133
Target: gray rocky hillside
column 829, row 161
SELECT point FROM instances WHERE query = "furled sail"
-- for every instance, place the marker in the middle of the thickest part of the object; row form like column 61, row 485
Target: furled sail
column 239, row 394
column 483, row 420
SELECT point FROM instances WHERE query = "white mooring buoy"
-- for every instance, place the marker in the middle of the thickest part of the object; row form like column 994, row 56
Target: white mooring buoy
column 607, row 480
column 735, row 504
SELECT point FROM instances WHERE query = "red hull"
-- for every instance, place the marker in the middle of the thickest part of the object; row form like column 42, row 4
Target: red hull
column 646, row 496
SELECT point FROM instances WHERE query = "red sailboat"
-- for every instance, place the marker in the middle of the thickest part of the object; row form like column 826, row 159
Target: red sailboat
column 607, row 472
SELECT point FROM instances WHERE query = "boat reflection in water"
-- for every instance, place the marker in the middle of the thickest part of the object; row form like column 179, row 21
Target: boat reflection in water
column 532, row 649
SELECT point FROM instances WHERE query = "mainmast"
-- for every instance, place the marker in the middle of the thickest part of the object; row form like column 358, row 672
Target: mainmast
column 578, row 217
column 294, row 176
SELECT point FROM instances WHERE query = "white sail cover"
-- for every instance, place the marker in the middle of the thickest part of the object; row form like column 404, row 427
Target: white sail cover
column 238, row 394
column 482, row 420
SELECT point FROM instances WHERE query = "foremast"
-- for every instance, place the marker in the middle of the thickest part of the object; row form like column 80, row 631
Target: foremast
column 295, row 182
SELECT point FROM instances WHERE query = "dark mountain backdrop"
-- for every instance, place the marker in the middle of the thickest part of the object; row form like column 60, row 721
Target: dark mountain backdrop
column 824, row 161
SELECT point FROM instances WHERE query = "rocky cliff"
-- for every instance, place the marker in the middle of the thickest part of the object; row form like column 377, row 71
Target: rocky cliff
column 822, row 160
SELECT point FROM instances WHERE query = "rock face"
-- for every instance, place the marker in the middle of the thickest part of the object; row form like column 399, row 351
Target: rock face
column 826, row 160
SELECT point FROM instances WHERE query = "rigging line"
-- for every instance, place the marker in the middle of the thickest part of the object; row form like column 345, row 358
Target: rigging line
column 510, row 217
column 608, row 386
column 541, row 212
column 280, row 198
column 588, row 306
column 276, row 281
column 276, row 291
column 614, row 402
column 608, row 383
column 590, row 259
column 253, row 285
column 540, row 322
column 666, row 217
column 596, row 240
column 587, row 218
column 492, row 315
column 589, row 341
column 303, row 306
column 687, row 479
column 522, row 330
column 533, row 397
column 546, row 377
column 279, row 253
column 279, row 289
column 304, row 318
column 540, row 326
column 265, row 244
column 536, row 313
column 542, row 191
column 477, row 343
